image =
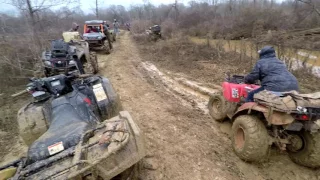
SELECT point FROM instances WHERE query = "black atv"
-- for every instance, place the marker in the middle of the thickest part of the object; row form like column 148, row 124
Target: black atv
column 67, row 134
column 66, row 57
column 154, row 33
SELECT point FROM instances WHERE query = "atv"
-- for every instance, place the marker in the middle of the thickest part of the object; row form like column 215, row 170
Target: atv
column 94, row 35
column 154, row 33
column 69, row 56
column 274, row 118
column 68, row 135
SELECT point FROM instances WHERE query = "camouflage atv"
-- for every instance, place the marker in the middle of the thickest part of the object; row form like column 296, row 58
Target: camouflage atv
column 69, row 54
column 96, row 38
column 68, row 135
column 154, row 33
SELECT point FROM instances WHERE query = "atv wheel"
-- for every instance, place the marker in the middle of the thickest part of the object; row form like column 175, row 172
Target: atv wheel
column 250, row 138
column 91, row 67
column 114, row 38
column 131, row 173
column 309, row 153
column 218, row 107
column 47, row 72
column 106, row 47
column 115, row 108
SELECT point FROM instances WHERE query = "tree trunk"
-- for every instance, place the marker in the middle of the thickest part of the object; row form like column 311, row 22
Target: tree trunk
column 97, row 11
column 35, row 35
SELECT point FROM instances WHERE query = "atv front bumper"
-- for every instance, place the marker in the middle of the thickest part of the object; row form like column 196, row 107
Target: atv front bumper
column 60, row 69
column 104, row 152
column 95, row 43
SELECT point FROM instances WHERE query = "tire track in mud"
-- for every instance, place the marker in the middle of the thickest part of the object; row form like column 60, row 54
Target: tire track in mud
column 178, row 138
column 184, row 89
column 182, row 141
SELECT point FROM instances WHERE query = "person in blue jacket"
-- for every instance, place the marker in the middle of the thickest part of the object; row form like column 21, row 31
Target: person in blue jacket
column 272, row 73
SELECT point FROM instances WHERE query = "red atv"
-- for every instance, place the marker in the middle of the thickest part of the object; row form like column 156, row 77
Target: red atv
column 256, row 126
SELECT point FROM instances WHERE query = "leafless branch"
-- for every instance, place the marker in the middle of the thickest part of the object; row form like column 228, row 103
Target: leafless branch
column 311, row 4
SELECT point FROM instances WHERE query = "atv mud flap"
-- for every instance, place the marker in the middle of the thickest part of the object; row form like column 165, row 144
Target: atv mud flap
column 104, row 152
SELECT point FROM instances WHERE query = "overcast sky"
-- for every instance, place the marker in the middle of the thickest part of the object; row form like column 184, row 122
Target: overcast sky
column 86, row 5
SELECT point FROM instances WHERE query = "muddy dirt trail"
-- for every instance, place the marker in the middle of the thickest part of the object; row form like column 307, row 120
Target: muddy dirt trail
column 182, row 141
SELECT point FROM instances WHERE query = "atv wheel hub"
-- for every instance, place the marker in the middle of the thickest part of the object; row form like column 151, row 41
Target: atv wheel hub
column 239, row 138
column 296, row 143
column 216, row 105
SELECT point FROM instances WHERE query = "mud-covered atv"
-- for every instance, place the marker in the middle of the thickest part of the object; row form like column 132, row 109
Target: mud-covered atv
column 68, row 135
column 69, row 56
column 96, row 38
column 289, row 120
column 154, row 33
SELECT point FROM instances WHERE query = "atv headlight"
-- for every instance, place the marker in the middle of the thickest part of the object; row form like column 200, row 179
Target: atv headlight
column 85, row 38
column 72, row 62
column 47, row 63
column 99, row 37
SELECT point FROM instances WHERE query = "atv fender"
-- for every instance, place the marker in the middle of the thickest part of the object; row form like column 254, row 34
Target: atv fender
column 272, row 117
column 82, row 49
column 31, row 122
column 86, row 51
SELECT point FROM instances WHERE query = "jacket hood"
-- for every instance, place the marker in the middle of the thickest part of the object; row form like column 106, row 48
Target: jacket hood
column 267, row 52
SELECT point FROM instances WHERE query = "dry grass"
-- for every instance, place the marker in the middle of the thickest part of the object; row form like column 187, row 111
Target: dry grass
column 205, row 63
column 307, row 81
column 200, row 61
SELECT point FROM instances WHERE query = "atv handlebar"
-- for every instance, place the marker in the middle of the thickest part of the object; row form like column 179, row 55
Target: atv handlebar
column 70, row 77
column 19, row 93
column 84, row 75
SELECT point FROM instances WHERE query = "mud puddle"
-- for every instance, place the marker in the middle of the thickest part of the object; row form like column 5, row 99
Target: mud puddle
column 190, row 93
column 187, row 91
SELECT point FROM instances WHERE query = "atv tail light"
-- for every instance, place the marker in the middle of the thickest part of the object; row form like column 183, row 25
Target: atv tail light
column 87, row 100
column 304, row 117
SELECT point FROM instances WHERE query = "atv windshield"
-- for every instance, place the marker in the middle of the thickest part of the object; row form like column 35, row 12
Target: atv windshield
column 93, row 28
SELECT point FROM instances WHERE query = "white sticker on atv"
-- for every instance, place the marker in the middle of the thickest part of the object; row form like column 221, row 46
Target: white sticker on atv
column 99, row 92
column 235, row 93
column 55, row 148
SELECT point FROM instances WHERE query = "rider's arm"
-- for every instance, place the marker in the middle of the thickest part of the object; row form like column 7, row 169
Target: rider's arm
column 254, row 75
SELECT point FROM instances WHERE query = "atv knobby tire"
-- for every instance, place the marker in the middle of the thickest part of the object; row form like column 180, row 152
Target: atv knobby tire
column 106, row 47
column 309, row 155
column 31, row 122
column 114, row 37
column 218, row 107
column 250, row 139
column 131, row 173
column 91, row 66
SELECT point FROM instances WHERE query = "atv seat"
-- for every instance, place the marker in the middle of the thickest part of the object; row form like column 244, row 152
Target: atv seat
column 69, row 121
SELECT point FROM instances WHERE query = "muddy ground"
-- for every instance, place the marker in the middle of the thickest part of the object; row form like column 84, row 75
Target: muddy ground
column 167, row 100
column 183, row 142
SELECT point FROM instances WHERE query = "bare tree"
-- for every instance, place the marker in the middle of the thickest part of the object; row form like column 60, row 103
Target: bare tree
column 97, row 9
column 33, row 8
column 311, row 4
column 175, row 6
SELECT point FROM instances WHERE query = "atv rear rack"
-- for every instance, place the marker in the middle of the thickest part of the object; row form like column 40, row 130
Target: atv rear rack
column 80, row 165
